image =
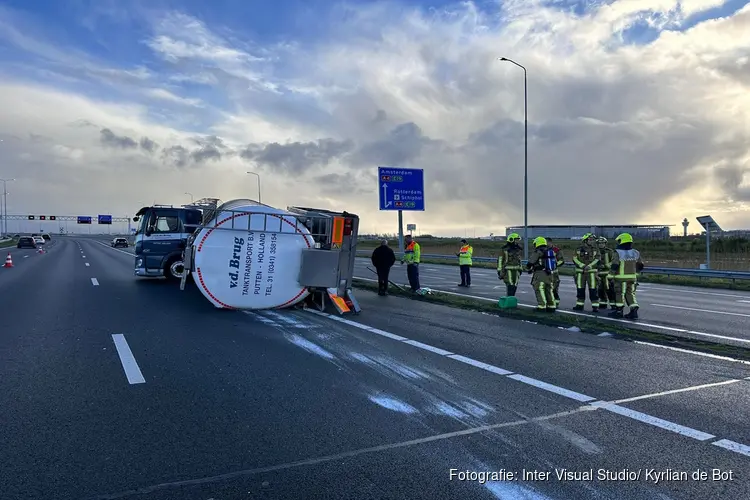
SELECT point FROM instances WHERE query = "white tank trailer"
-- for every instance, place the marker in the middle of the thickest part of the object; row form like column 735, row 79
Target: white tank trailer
column 248, row 256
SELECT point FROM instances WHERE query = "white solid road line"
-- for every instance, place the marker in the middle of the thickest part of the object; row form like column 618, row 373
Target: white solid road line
column 552, row 388
column 94, row 282
column 726, row 313
column 132, row 371
column 428, row 347
column 733, row 446
column 657, row 422
column 604, row 318
column 677, row 391
column 612, row 407
column 688, row 351
column 479, row 364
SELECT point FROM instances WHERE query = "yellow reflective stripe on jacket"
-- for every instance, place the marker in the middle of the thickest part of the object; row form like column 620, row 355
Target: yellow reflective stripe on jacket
column 412, row 253
column 464, row 255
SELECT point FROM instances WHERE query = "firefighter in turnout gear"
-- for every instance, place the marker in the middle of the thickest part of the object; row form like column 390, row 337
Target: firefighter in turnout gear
column 606, row 282
column 626, row 264
column 464, row 262
column 586, row 260
column 541, row 265
column 509, row 264
column 559, row 261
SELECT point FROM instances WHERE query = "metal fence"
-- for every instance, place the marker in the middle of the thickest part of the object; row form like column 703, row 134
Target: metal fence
column 661, row 271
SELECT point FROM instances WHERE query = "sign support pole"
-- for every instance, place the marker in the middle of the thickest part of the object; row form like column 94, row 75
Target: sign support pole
column 708, row 245
column 401, row 231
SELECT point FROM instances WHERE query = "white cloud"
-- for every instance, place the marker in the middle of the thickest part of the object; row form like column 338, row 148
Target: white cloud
column 618, row 132
column 169, row 96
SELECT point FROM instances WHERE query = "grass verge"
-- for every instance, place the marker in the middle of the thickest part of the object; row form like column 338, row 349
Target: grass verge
column 7, row 243
column 725, row 284
column 585, row 324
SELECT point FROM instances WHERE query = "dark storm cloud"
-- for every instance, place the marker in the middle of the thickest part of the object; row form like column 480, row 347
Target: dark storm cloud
column 205, row 153
column 296, row 157
column 209, row 141
column 148, row 145
column 334, row 184
column 110, row 139
column 401, row 146
column 178, row 156
column 731, row 178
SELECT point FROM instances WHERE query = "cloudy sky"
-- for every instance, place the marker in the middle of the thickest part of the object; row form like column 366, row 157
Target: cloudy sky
column 639, row 110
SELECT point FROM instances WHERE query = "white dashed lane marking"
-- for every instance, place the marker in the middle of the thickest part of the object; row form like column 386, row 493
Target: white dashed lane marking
column 94, row 282
column 129, row 364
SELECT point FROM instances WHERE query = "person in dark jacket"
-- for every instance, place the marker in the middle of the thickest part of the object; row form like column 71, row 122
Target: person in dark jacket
column 383, row 259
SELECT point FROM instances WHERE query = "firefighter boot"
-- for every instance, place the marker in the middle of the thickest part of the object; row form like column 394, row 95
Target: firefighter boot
column 580, row 299
column 633, row 313
column 617, row 313
column 512, row 290
column 595, row 309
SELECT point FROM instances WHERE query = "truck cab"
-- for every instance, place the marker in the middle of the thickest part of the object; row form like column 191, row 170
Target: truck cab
column 160, row 239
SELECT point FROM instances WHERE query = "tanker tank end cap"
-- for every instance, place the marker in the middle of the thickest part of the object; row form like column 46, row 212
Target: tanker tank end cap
column 251, row 270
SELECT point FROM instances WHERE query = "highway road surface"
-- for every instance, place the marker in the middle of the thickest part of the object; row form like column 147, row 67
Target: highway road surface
column 702, row 313
column 115, row 387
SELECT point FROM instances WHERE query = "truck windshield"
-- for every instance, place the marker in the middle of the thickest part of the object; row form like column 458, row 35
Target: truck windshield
column 142, row 223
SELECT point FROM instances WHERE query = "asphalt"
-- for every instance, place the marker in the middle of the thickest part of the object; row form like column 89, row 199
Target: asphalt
column 713, row 315
column 292, row 404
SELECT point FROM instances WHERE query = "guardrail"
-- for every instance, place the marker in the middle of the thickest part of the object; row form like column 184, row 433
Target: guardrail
column 661, row 271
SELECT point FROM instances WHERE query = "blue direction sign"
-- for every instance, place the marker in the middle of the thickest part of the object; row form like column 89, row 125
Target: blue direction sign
column 401, row 188
column 84, row 219
column 105, row 219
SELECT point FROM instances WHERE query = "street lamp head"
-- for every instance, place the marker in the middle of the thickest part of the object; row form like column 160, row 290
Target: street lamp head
column 502, row 58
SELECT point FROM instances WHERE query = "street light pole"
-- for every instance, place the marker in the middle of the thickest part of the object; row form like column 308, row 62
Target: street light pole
column 258, row 176
column 525, row 158
column 191, row 197
column 5, row 205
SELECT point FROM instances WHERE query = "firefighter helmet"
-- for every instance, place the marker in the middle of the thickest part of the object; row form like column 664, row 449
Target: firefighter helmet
column 624, row 238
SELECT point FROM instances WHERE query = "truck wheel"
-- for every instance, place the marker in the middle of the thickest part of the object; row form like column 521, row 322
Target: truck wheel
column 173, row 269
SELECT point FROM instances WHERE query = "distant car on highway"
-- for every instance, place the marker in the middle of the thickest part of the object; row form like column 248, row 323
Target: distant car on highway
column 39, row 240
column 46, row 237
column 26, row 242
column 119, row 242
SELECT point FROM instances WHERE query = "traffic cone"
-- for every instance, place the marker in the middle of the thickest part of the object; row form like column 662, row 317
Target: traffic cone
column 8, row 261
column 40, row 250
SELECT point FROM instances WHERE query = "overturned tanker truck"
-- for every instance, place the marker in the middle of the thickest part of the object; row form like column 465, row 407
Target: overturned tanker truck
column 245, row 255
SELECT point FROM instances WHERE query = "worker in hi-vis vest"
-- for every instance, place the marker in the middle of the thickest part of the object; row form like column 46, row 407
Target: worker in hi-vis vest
column 626, row 264
column 509, row 264
column 464, row 262
column 412, row 255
